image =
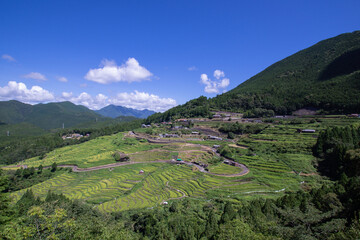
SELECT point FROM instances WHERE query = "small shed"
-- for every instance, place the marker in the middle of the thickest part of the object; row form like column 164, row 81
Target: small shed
column 141, row 171
column 308, row 131
column 179, row 160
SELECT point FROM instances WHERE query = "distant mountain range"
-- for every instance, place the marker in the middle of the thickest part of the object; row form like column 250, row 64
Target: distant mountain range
column 54, row 115
column 46, row 116
column 325, row 76
column 116, row 111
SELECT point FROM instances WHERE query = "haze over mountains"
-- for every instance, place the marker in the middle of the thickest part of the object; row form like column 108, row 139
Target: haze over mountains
column 116, row 111
column 54, row 115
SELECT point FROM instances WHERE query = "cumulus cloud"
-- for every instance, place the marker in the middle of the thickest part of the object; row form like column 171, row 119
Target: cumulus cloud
column 19, row 91
column 8, row 58
column 219, row 74
column 214, row 86
column 86, row 99
column 36, row 76
column 36, row 94
column 62, row 79
column 192, row 68
column 142, row 100
column 136, row 100
column 109, row 72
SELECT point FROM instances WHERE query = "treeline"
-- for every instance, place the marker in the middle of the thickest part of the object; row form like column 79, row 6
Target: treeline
column 198, row 107
column 27, row 177
column 13, row 151
column 339, row 151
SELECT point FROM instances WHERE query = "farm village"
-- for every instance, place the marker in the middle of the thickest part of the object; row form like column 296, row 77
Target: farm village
column 186, row 158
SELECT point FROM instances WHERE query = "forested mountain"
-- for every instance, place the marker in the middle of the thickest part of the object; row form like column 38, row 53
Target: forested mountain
column 116, row 111
column 46, row 116
column 325, row 76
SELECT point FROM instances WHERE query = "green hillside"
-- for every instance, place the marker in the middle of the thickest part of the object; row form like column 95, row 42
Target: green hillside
column 46, row 116
column 325, row 76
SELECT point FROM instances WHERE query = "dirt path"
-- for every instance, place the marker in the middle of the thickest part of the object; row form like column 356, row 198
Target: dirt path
column 178, row 190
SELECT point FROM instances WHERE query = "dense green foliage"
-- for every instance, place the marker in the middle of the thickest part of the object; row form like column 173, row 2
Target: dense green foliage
column 116, row 111
column 198, row 107
column 339, row 149
column 46, row 116
column 25, row 178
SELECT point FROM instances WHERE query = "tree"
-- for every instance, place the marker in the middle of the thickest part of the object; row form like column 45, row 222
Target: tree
column 40, row 168
column 229, row 213
column 53, row 167
column 5, row 210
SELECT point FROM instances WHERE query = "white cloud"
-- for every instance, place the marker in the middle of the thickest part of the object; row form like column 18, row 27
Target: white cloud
column 19, row 91
column 142, row 100
column 224, row 83
column 67, row 95
column 62, row 79
column 109, row 72
column 192, row 68
column 136, row 100
column 215, row 86
column 36, row 76
column 8, row 58
column 219, row 74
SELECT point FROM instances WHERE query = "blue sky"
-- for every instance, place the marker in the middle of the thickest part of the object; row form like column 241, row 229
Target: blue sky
column 153, row 54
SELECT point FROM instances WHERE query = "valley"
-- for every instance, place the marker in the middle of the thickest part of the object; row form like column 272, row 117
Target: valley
column 268, row 164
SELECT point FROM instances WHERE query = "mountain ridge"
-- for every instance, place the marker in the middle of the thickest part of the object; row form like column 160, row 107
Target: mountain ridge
column 325, row 76
column 46, row 116
column 114, row 111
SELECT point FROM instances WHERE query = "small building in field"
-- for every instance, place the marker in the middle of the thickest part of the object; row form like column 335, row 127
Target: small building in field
column 216, row 116
column 214, row 138
column 216, row 146
column 141, row 172
column 165, row 203
column 306, row 130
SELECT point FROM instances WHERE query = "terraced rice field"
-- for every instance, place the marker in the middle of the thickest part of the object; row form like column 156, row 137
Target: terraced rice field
column 123, row 188
column 92, row 153
column 224, row 169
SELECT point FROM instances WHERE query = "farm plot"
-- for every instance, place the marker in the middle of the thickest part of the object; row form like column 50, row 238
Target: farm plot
column 222, row 168
column 166, row 183
column 93, row 187
column 92, row 153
